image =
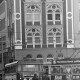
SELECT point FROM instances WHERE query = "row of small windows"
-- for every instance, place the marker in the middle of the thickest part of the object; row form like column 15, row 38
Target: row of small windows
column 40, row 56
column 34, row 38
column 53, row 15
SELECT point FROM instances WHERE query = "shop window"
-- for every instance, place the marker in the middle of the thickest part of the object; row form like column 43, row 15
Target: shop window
column 55, row 69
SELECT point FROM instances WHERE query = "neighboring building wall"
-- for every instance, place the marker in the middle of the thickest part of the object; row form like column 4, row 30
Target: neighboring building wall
column 3, row 30
column 77, row 23
column 6, row 29
column 3, row 24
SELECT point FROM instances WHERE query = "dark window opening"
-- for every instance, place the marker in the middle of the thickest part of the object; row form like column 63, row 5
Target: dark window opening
column 29, row 23
column 57, row 16
column 49, row 16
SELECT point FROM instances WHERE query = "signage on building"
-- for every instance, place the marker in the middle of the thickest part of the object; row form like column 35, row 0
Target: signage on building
column 68, row 61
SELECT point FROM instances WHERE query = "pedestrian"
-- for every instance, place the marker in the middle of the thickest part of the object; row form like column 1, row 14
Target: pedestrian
column 45, row 77
column 35, row 77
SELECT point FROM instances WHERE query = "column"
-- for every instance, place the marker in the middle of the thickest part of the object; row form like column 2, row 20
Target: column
column 18, row 24
column 69, row 23
column 44, row 23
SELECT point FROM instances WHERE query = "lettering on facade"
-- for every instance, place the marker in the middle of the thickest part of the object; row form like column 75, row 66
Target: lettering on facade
column 73, row 61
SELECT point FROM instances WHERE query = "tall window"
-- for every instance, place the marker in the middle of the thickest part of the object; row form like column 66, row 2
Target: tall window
column 54, row 13
column 33, row 38
column 54, row 38
column 33, row 15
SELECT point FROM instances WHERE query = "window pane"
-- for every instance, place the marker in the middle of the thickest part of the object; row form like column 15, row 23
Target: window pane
column 49, row 16
column 29, row 17
column 30, row 68
column 29, row 39
column 57, row 22
column 58, row 34
column 39, row 56
column 50, row 39
column 57, row 16
column 49, row 11
column 50, row 22
column 37, row 39
column 58, row 40
column 36, row 17
column 29, row 34
column 50, row 34
column 37, row 23
column 37, row 34
column 29, row 23
column 49, row 56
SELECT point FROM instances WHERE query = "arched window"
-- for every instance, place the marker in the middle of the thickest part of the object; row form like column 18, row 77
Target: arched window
column 39, row 56
column 29, row 56
column 33, row 15
column 54, row 15
column 50, row 58
column 60, row 56
column 33, row 38
column 54, row 38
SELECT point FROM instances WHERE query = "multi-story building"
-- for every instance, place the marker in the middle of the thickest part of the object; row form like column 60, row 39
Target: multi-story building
column 41, row 29
column 46, row 28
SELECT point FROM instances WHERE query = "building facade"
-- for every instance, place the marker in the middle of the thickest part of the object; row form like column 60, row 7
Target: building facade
column 46, row 28
column 39, row 29
column 42, row 29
